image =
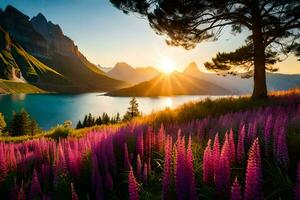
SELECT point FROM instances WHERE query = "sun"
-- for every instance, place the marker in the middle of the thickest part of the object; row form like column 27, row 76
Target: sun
column 168, row 66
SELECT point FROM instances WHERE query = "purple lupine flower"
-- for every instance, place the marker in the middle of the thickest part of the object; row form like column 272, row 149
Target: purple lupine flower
column 35, row 189
column 232, row 152
column 138, row 168
column 297, row 186
column 3, row 166
column 222, row 177
column 241, row 144
column 253, row 183
column 73, row 192
column 180, row 171
column 267, row 133
column 126, row 158
column 236, row 190
column 216, row 153
column 208, row 171
column 109, row 184
column 145, row 173
column 132, row 186
column 140, row 145
column 167, row 167
column 96, row 179
column 21, row 194
column 190, row 172
column 282, row 156
column 161, row 138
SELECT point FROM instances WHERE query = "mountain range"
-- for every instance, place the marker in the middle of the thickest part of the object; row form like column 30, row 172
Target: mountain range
column 125, row 72
column 37, row 51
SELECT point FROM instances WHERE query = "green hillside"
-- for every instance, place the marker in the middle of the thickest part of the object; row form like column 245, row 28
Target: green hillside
column 12, row 87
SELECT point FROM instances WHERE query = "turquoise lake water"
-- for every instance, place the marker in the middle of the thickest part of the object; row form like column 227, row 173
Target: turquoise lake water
column 52, row 109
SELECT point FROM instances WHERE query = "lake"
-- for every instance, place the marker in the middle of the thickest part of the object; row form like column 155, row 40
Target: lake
column 52, row 109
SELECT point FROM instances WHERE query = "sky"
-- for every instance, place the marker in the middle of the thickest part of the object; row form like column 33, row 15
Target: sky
column 105, row 35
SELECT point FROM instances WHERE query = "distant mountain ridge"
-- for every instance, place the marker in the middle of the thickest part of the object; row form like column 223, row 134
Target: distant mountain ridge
column 45, row 42
column 170, row 85
column 236, row 84
column 125, row 72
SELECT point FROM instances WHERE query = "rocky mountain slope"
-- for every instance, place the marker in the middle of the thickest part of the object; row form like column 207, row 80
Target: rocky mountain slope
column 46, row 43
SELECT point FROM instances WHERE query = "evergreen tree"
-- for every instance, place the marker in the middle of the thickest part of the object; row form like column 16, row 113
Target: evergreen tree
column 20, row 124
column 2, row 123
column 34, row 127
column 118, row 118
column 133, row 110
column 85, row 121
column 99, row 121
column 79, row 125
column 273, row 29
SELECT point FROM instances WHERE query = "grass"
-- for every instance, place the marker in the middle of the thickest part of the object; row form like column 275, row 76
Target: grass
column 12, row 87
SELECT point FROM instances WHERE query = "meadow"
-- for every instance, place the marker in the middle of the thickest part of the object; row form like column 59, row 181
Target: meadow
column 231, row 148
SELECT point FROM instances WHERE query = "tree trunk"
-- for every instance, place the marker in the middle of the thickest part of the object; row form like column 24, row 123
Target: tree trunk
column 260, row 86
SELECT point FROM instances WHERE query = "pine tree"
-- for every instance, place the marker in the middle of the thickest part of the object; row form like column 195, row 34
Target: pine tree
column 133, row 110
column 79, row 125
column 20, row 124
column 2, row 123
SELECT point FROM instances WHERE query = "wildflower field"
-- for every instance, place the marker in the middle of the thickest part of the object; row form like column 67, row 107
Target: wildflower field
column 243, row 154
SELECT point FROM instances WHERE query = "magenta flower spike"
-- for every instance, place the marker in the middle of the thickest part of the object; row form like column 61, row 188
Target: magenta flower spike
column 241, row 144
column 232, row 151
column 267, row 133
column 282, row 156
column 109, row 184
column 145, row 173
column 167, row 167
column 208, row 171
column 132, row 186
column 216, row 153
column 253, row 183
column 297, row 186
column 138, row 168
column 35, row 189
column 3, row 166
column 127, row 163
column 180, row 171
column 140, row 145
column 190, row 171
column 73, row 192
column 236, row 190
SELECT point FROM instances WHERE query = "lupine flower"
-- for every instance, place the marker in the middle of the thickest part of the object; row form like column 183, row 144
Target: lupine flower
column 140, row 145
column 180, row 171
column 267, row 133
column 126, row 158
column 190, row 172
column 132, row 186
column 216, row 153
column 138, row 167
column 167, row 167
column 208, row 171
column 241, row 144
column 282, row 156
column 236, row 190
column 231, row 146
column 35, row 189
column 145, row 173
column 253, row 183
column 297, row 186
column 74, row 195
column 3, row 167
column 109, row 184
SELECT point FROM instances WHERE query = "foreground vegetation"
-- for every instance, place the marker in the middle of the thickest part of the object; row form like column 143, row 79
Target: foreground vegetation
column 246, row 150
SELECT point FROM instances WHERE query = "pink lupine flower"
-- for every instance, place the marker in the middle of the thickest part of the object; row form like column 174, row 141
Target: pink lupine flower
column 35, row 189
column 3, row 166
column 126, row 158
column 140, row 145
column 222, row 177
column 145, row 173
column 73, row 192
column 282, row 156
column 180, row 171
column 132, row 186
column 236, row 190
column 297, row 186
column 241, row 144
column 138, row 168
column 190, row 172
column 161, row 138
column 253, row 183
column 21, row 194
column 216, row 153
column 267, row 133
column 232, row 152
column 208, row 171
column 167, row 167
